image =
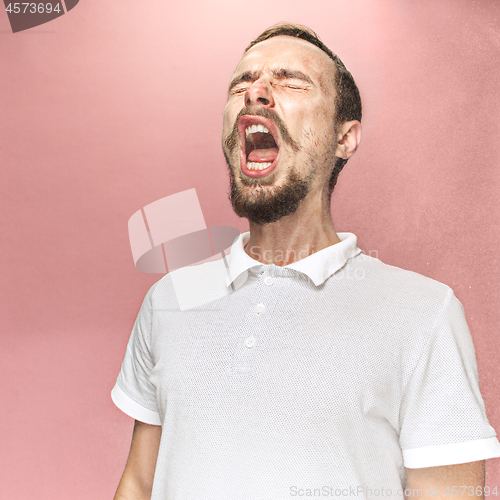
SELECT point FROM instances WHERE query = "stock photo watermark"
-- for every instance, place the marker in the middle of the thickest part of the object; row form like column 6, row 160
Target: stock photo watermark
column 171, row 232
column 326, row 491
column 26, row 15
column 381, row 492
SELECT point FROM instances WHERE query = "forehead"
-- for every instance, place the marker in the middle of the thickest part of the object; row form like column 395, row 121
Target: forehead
column 290, row 53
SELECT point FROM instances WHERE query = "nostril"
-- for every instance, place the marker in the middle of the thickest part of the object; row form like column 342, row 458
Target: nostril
column 263, row 100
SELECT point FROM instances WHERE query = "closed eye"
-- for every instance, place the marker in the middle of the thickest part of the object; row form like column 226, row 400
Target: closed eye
column 290, row 86
column 241, row 90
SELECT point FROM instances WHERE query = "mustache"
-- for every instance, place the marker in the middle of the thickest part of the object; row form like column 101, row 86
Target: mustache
column 231, row 142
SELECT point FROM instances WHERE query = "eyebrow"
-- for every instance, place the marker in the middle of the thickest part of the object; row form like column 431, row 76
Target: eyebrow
column 280, row 74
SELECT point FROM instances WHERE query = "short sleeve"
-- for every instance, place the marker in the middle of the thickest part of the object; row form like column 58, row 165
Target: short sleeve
column 133, row 392
column 442, row 414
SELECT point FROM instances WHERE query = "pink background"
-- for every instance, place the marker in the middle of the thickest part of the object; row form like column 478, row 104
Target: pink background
column 116, row 105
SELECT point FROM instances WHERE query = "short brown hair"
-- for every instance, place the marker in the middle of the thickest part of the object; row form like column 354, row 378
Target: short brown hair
column 347, row 100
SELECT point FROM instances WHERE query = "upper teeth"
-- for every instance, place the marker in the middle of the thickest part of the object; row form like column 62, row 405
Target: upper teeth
column 251, row 129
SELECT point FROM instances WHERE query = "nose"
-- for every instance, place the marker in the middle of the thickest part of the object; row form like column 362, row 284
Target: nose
column 259, row 93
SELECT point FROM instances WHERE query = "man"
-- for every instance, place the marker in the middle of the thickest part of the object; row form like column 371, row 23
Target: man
column 319, row 371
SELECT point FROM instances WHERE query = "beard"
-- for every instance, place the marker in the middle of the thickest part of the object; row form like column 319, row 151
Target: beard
column 249, row 196
column 266, row 205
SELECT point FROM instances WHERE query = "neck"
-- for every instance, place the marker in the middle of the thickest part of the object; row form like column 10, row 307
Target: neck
column 292, row 238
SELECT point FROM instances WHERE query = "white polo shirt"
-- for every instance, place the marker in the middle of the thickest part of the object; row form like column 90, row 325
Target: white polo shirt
column 323, row 378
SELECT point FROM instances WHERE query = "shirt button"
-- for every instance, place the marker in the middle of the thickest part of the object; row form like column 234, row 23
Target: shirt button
column 268, row 280
column 250, row 342
column 260, row 307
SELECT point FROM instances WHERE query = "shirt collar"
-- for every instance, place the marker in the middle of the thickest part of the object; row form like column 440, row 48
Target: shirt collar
column 318, row 266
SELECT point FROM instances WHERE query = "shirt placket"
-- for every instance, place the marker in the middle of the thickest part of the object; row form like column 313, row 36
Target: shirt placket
column 256, row 322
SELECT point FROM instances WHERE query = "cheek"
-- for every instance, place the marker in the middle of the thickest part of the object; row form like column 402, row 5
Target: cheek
column 227, row 120
column 324, row 123
column 318, row 136
column 314, row 118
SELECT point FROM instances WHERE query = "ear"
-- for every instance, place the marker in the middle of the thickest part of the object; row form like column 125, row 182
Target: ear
column 348, row 139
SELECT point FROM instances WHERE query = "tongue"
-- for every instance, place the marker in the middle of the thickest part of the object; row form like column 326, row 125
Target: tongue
column 263, row 155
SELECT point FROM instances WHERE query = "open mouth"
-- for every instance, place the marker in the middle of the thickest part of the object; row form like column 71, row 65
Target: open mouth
column 259, row 145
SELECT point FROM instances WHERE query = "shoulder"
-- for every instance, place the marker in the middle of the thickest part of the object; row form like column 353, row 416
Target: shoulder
column 407, row 309
column 397, row 281
column 400, row 292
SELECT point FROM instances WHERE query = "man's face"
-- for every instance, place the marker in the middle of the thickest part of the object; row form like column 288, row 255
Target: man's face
column 278, row 134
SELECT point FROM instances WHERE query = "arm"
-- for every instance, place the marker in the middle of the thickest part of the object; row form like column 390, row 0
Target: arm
column 447, row 481
column 137, row 479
